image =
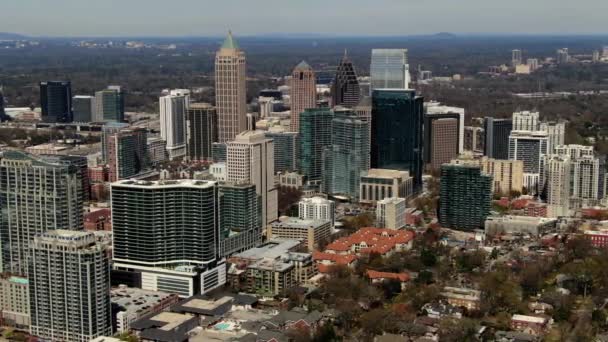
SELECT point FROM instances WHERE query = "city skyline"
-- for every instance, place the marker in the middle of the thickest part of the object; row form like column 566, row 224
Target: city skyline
column 139, row 18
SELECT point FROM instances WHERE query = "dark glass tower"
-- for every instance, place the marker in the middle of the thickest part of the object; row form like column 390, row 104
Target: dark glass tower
column 315, row 135
column 3, row 116
column 497, row 137
column 397, row 122
column 465, row 197
column 56, row 101
column 345, row 87
column 201, row 131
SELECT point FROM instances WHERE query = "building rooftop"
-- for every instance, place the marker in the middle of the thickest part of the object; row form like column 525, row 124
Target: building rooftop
column 529, row 319
column 134, row 300
column 267, row 264
column 386, row 173
column 521, row 219
column 376, row 240
column 294, row 222
column 178, row 183
column 230, row 42
column 272, row 249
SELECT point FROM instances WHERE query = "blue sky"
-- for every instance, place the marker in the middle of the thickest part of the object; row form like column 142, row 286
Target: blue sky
column 340, row 17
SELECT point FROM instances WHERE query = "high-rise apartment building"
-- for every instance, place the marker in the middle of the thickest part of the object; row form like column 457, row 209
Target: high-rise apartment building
column 526, row 121
column 15, row 302
column 474, row 139
column 107, row 130
column 127, row 153
column 529, row 147
column 516, row 57
column 83, row 108
column 563, row 56
column 558, row 184
column 56, row 101
column 230, row 97
column 69, row 285
column 389, row 69
column 250, row 159
column 241, row 217
column 201, row 131
column 556, row 134
column 286, row 150
column 36, row 194
column 166, row 235
column 303, row 92
column 496, row 140
column 110, row 105
column 345, row 87
column 348, row 154
column 390, row 213
column 315, row 135
column 507, row 175
column 465, row 197
column 173, row 108
column 317, row 208
column 397, row 132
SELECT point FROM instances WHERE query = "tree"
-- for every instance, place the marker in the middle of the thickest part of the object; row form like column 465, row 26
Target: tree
column 457, row 330
column 501, row 293
column 288, row 197
column 428, row 257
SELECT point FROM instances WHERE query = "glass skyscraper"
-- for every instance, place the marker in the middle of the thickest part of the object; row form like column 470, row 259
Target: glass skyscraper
column 56, row 101
column 345, row 89
column 389, row 69
column 497, row 137
column 397, row 134
column 315, row 135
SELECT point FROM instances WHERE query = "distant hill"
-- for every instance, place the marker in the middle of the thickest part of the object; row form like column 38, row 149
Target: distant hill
column 12, row 36
column 444, row 35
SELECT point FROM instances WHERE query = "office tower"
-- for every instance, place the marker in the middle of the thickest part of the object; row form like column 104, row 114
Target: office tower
column 106, row 131
column 69, row 279
column 347, row 156
column 474, row 139
column 397, row 132
column 110, row 105
column 529, row 147
column 525, row 121
column 496, row 139
column 218, row 152
column 36, row 195
column 286, row 150
column 389, row 69
column 201, row 131
column 532, row 63
column 317, row 208
column 378, row 184
column 3, row 116
column 563, row 56
column 56, row 101
column 173, row 109
column 443, row 142
column 83, row 108
column 127, row 153
column 390, row 213
column 465, row 197
column 250, row 159
column 241, row 217
column 345, row 86
column 315, row 135
column 230, row 99
column 556, row 134
column 166, row 235
column 303, row 92
column 558, row 184
column 434, row 110
column 516, row 58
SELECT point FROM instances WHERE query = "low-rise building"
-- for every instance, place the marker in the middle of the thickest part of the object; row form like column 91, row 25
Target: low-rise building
column 218, row 171
column 291, row 180
column 325, row 261
column 533, row 325
column 310, row 232
column 378, row 184
column 510, row 224
column 164, row 327
column 98, row 220
column 130, row 304
column 597, row 238
column 378, row 277
column 15, row 302
column 459, row 296
column 373, row 240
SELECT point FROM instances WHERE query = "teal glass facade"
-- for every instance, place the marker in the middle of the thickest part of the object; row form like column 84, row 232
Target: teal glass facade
column 315, row 135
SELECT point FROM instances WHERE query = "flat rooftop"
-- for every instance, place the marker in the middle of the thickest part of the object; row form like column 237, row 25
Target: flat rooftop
column 134, row 300
column 172, row 320
column 272, row 249
column 386, row 173
column 177, row 183
column 294, row 222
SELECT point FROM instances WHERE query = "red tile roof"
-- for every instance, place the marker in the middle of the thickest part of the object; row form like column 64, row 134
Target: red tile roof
column 334, row 258
column 377, row 240
column 403, row 277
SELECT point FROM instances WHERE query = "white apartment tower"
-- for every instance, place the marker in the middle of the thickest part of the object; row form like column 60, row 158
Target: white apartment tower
column 250, row 159
column 173, row 109
column 230, row 97
column 556, row 132
column 525, row 121
column 557, row 179
column 390, row 213
column 317, row 208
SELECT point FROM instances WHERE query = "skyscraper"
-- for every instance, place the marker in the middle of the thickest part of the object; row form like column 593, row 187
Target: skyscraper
column 166, row 234
column 558, row 184
column 435, row 110
column 250, row 159
column 286, row 150
column 201, row 131
column 241, row 217
column 110, row 105
column 516, row 58
column 303, row 92
column 230, row 97
column 397, row 129
column 347, row 156
column 56, row 101
column 443, row 142
column 529, row 147
column 556, row 134
column 563, row 56
column 173, row 109
column 3, row 116
column 83, row 108
column 389, row 69
column 36, row 195
column 526, row 121
column 107, row 130
column 127, row 153
column 497, row 137
column 69, row 279
column 465, row 197
column 315, row 135
column 345, row 87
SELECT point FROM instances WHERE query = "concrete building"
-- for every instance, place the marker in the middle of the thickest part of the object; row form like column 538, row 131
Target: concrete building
column 378, row 184
column 166, row 236
column 556, row 133
column 311, row 233
column 317, row 208
column 507, row 175
column 291, row 180
column 130, row 304
column 250, row 159
column 157, row 150
column 127, row 153
column 443, row 142
column 526, row 121
column 173, row 109
column 516, row 57
column 109, row 105
column 37, row 193
column 510, row 224
column 496, row 140
column 557, row 177
column 69, row 280
column 83, row 108
column 529, row 147
column 462, row 297
column 286, row 149
column 15, row 302
column 218, row 171
column 201, row 131
column 230, row 90
column 303, row 87
column 390, row 213
column 389, row 69
column 436, row 111
column 474, row 139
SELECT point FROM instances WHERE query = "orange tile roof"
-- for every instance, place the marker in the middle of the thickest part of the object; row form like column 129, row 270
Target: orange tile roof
column 403, row 277
column 378, row 240
column 335, row 258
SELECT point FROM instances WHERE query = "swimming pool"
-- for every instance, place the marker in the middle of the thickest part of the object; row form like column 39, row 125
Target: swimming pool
column 222, row 326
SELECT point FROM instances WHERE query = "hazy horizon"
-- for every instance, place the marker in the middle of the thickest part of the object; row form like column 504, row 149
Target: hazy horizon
column 196, row 18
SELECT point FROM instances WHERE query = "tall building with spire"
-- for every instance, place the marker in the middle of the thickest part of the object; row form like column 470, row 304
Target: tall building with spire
column 345, row 88
column 303, row 92
column 230, row 99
